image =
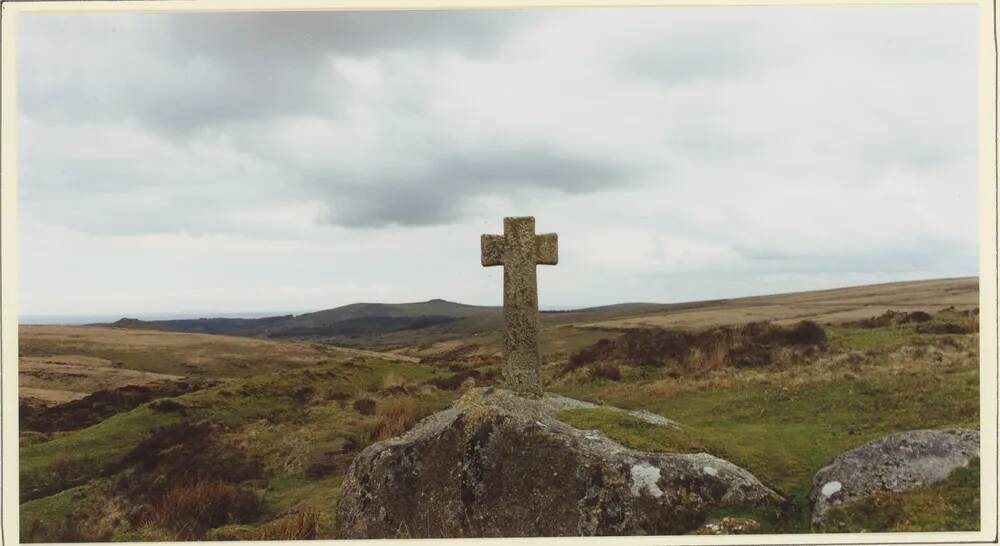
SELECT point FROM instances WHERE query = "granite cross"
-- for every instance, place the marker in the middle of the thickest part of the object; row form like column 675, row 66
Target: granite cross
column 519, row 250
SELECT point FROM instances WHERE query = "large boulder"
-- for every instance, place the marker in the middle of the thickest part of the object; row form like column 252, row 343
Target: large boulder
column 495, row 464
column 893, row 463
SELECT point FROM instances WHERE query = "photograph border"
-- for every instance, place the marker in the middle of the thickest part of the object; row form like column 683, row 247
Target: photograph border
column 989, row 257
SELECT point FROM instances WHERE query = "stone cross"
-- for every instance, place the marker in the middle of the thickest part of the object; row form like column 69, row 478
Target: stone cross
column 519, row 250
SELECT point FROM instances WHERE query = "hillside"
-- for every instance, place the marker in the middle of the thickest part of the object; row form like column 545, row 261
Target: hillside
column 179, row 436
column 346, row 322
column 430, row 326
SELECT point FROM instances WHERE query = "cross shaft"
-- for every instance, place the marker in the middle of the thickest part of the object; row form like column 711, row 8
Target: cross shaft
column 519, row 250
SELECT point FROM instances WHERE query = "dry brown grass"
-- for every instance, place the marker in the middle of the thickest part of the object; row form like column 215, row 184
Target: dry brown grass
column 190, row 510
column 58, row 379
column 303, row 524
column 393, row 417
column 58, row 364
column 824, row 306
column 391, row 380
column 706, row 359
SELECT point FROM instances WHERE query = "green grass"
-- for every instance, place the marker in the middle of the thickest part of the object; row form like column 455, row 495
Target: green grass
column 54, row 509
column 76, row 457
column 785, row 431
column 953, row 504
column 782, row 424
column 888, row 338
column 288, row 421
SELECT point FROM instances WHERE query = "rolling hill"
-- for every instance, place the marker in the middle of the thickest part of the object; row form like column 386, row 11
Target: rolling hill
column 383, row 326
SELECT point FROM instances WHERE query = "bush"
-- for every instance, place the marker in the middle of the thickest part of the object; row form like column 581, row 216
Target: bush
column 944, row 328
column 917, row 316
column 606, row 371
column 365, row 406
column 751, row 345
column 193, row 509
column 803, row 333
column 325, row 465
column 455, row 381
column 167, row 405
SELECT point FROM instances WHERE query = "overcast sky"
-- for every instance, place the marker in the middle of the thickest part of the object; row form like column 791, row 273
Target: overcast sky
column 260, row 162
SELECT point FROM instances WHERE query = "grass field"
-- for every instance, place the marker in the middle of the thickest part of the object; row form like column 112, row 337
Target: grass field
column 261, row 452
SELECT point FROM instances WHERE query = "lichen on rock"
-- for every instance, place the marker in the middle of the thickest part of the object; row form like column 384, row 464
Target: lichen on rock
column 497, row 464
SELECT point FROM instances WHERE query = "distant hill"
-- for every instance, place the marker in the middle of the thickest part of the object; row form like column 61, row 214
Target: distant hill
column 348, row 321
column 382, row 326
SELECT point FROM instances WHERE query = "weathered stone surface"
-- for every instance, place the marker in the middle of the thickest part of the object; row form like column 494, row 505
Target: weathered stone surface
column 519, row 250
column 729, row 526
column 496, row 464
column 894, row 463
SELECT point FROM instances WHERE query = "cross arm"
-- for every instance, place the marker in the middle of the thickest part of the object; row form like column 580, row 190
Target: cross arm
column 492, row 249
column 547, row 249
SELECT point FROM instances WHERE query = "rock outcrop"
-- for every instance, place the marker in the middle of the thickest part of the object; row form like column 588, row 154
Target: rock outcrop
column 893, row 463
column 499, row 465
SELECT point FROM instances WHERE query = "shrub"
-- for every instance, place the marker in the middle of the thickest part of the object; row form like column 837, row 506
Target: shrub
column 325, row 465
column 588, row 354
column 606, row 371
column 944, row 328
column 365, row 406
column 351, row 444
column 167, row 405
column 191, row 510
column 805, row 332
column 751, row 345
column 455, row 381
column 917, row 316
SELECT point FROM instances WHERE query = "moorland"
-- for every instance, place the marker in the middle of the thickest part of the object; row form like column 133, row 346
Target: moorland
column 236, row 429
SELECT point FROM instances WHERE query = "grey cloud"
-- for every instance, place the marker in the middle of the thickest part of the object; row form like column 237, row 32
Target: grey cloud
column 212, row 69
column 279, row 36
column 439, row 192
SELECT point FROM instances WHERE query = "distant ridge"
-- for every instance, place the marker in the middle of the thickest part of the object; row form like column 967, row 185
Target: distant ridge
column 445, row 319
column 351, row 320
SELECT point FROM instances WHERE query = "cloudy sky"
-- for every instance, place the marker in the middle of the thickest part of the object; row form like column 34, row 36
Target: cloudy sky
column 235, row 163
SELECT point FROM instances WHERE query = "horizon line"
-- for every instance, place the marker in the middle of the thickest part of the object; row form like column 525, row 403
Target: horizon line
column 190, row 315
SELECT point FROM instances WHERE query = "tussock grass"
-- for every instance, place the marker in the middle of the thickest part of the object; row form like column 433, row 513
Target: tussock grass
column 190, row 510
column 303, row 524
column 392, row 418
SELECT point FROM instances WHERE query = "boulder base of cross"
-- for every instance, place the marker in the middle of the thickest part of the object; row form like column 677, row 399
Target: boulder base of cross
column 499, row 465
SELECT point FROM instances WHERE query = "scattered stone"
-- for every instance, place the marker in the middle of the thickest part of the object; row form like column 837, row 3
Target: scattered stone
column 893, row 463
column 486, row 468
